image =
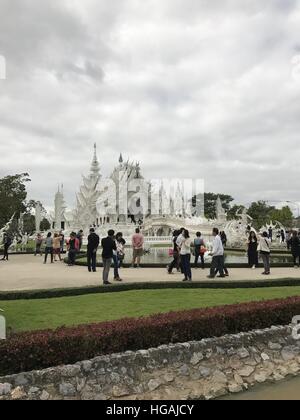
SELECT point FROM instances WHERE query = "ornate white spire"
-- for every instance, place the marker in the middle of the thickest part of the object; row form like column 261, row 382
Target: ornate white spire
column 220, row 211
column 121, row 158
column 95, row 167
column 86, row 212
column 60, row 207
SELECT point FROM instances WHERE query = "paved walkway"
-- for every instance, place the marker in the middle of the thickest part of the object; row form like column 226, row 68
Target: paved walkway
column 29, row 273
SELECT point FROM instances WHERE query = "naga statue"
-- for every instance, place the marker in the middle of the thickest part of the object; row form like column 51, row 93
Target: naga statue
column 6, row 228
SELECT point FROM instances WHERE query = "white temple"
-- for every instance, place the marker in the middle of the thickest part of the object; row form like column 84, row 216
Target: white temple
column 100, row 206
column 59, row 220
column 86, row 210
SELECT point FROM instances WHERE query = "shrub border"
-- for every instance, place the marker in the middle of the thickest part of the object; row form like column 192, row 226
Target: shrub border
column 126, row 287
column 25, row 352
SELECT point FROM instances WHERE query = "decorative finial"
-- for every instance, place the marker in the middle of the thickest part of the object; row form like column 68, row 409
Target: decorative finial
column 121, row 158
column 95, row 167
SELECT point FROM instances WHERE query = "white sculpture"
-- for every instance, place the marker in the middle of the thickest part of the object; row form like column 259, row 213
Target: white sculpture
column 237, row 231
column 21, row 223
column 276, row 228
column 24, row 242
column 38, row 216
column 6, row 228
column 220, row 212
column 14, row 244
column 2, row 327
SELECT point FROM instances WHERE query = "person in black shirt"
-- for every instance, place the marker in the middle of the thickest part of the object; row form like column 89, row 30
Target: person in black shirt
column 93, row 244
column 108, row 247
column 7, row 243
column 176, row 255
column 271, row 234
column 295, row 247
column 252, row 250
column 73, row 248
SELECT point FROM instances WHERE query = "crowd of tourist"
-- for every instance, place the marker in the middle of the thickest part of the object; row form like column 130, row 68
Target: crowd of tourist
column 183, row 248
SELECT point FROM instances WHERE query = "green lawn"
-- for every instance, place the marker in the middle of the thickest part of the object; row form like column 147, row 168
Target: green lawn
column 27, row 315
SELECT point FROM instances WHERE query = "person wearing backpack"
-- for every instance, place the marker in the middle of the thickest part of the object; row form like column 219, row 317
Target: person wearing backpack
column 199, row 250
column 264, row 247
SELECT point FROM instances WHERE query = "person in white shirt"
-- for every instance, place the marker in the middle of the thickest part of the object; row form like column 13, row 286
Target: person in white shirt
column 185, row 253
column 264, row 247
column 179, row 240
column 217, row 253
column 180, row 237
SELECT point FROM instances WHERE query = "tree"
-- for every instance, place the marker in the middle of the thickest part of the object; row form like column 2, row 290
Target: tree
column 210, row 200
column 284, row 216
column 261, row 213
column 231, row 214
column 31, row 205
column 45, row 225
column 13, row 196
column 29, row 223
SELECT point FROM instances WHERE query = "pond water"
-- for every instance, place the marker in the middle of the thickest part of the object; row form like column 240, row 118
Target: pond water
column 161, row 256
column 285, row 391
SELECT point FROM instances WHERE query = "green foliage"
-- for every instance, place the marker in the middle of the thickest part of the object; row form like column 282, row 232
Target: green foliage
column 280, row 284
column 12, row 196
column 29, row 223
column 24, row 352
column 45, row 225
column 210, row 203
column 284, row 216
column 263, row 214
column 231, row 214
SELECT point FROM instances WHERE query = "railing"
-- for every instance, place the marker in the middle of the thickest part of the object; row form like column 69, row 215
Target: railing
column 155, row 239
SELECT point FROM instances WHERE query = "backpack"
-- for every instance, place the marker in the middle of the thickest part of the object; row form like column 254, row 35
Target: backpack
column 8, row 241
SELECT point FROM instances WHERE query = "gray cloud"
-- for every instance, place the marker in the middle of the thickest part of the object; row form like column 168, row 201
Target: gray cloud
column 197, row 88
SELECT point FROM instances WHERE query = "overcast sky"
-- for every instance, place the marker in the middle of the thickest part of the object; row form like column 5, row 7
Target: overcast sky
column 190, row 88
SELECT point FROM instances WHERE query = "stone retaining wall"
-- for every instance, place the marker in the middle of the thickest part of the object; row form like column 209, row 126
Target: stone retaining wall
column 196, row 370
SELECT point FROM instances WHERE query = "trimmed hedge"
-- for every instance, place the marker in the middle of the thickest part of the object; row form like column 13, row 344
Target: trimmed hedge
column 127, row 287
column 43, row 349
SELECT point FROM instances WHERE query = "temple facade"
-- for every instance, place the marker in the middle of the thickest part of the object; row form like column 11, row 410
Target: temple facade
column 126, row 199
column 85, row 213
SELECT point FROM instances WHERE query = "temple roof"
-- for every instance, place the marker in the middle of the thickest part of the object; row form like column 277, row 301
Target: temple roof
column 95, row 167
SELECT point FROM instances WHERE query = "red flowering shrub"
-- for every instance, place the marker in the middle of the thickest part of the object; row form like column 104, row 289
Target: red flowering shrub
column 42, row 349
